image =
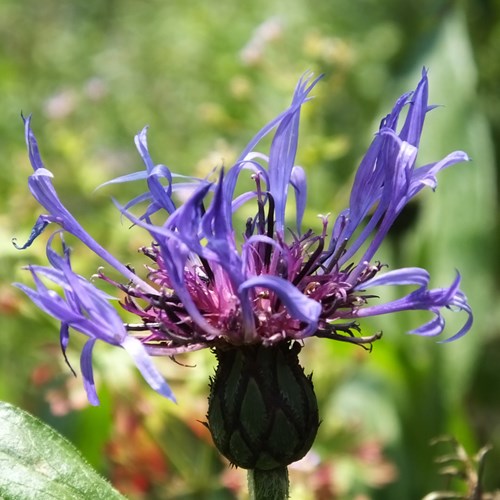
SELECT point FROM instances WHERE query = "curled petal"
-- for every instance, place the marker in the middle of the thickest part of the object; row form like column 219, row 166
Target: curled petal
column 162, row 195
column 242, row 199
column 405, row 276
column 63, row 342
column 86, row 309
column 422, row 299
column 175, row 255
column 431, row 329
column 145, row 365
column 298, row 305
column 426, row 175
column 248, row 163
column 467, row 325
column 42, row 222
column 88, row 372
column 187, row 219
column 40, row 184
column 175, row 247
column 141, row 143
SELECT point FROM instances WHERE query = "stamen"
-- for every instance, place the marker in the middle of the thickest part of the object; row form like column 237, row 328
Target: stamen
column 335, row 257
column 207, row 269
column 364, row 342
column 308, row 266
column 249, row 227
column 140, row 327
column 270, row 229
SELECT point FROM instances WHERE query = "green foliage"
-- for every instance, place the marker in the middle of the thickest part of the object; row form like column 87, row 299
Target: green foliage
column 38, row 463
column 463, row 473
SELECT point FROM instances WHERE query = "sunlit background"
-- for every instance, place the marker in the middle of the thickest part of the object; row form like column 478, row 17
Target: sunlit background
column 206, row 76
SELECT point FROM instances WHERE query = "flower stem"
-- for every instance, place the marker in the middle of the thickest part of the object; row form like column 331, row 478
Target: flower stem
column 268, row 484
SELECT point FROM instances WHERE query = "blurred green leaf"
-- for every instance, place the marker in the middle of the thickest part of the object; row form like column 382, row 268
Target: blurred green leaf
column 37, row 462
column 185, row 450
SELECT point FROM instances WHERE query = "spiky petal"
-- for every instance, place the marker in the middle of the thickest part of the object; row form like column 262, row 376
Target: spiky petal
column 206, row 287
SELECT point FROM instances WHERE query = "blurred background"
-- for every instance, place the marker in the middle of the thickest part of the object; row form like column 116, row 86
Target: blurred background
column 206, row 76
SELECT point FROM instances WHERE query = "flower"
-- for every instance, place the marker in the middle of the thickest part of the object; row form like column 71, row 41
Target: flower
column 205, row 289
column 87, row 310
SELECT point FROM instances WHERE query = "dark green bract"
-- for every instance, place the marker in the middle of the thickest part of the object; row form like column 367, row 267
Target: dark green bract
column 262, row 411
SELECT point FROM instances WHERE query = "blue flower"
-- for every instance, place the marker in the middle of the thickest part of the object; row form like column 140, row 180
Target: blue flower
column 204, row 288
column 86, row 309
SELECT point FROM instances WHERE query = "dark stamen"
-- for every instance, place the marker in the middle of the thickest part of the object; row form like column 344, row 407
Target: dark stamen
column 364, row 342
column 308, row 266
column 207, row 269
column 140, row 327
column 334, row 258
column 261, row 218
column 249, row 227
column 270, row 229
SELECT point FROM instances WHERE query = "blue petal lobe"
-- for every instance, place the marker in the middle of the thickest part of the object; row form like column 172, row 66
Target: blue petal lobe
column 88, row 372
column 145, row 365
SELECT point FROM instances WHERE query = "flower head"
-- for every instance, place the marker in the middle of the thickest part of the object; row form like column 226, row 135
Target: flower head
column 211, row 284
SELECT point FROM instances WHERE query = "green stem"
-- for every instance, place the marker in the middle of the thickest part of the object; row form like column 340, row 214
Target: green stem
column 268, row 484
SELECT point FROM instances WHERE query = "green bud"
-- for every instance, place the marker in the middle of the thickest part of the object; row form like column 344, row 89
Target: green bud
column 262, row 410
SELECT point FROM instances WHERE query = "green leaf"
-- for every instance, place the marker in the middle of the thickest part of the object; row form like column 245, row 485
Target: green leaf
column 38, row 463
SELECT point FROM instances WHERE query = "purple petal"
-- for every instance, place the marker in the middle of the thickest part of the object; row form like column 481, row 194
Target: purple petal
column 233, row 173
column 405, row 276
column 141, row 144
column 87, row 310
column 145, row 365
column 63, row 342
column 412, row 129
column 175, row 248
column 283, row 150
column 467, row 326
column 41, row 187
column 298, row 305
column 367, row 187
column 134, row 176
column 422, row 299
column 88, row 372
column 425, row 176
column 162, row 195
column 32, row 144
column 265, row 130
column 299, row 184
column 48, row 300
column 216, row 222
column 175, row 255
column 394, row 194
column 391, row 120
column 430, row 329
column 42, row 222
column 242, row 199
